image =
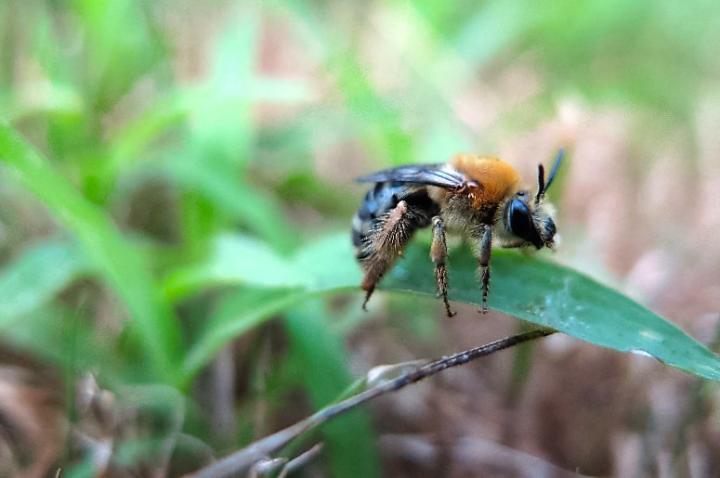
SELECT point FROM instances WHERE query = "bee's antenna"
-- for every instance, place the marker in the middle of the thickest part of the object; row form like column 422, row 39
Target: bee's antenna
column 556, row 167
column 542, row 185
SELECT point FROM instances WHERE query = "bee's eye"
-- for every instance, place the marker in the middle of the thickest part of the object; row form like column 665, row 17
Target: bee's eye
column 521, row 224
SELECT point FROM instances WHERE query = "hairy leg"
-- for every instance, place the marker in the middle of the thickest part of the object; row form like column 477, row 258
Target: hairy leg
column 438, row 254
column 483, row 255
column 384, row 244
column 511, row 244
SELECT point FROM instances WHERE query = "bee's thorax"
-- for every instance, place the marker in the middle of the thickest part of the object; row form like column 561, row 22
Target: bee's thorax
column 497, row 179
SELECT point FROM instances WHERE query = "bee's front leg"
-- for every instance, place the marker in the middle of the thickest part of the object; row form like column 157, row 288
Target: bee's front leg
column 483, row 252
column 438, row 254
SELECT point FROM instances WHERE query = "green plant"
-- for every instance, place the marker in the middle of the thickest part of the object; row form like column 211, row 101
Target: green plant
column 170, row 206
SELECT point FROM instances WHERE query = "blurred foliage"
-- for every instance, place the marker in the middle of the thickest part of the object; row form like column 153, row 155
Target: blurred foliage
column 168, row 184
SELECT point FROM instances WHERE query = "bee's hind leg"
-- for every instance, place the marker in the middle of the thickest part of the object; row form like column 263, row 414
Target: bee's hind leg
column 384, row 244
column 438, row 254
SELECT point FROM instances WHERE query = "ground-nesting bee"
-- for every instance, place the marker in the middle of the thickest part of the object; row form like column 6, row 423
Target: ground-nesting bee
column 478, row 197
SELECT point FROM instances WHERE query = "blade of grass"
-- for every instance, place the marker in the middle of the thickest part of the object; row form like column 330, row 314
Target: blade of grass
column 374, row 117
column 236, row 313
column 116, row 260
column 350, row 440
column 59, row 336
column 235, row 260
column 530, row 288
column 23, row 289
column 120, row 46
column 254, row 209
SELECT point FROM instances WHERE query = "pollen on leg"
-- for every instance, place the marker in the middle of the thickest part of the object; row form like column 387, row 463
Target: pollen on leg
column 396, row 214
column 393, row 226
column 384, row 245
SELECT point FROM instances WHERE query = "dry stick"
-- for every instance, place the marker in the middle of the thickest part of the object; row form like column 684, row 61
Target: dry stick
column 301, row 460
column 241, row 460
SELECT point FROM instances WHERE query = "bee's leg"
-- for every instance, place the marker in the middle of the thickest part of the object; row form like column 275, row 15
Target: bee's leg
column 384, row 244
column 438, row 254
column 512, row 244
column 483, row 256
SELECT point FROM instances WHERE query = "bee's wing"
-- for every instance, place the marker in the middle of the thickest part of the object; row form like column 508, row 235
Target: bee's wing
column 430, row 174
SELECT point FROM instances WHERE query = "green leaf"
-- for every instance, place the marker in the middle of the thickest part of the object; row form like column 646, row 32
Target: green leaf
column 236, row 313
column 132, row 143
column 121, row 45
column 350, row 440
column 221, row 128
column 255, row 209
column 59, row 335
column 373, row 117
column 23, row 289
column 527, row 287
column 545, row 293
column 235, row 260
column 117, row 261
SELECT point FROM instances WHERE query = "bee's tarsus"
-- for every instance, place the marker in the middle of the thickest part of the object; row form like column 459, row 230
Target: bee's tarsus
column 450, row 313
column 483, row 256
column 368, row 294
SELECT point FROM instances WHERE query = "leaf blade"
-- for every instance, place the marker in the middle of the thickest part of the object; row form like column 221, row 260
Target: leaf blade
column 23, row 290
column 527, row 287
column 350, row 440
column 117, row 261
column 547, row 294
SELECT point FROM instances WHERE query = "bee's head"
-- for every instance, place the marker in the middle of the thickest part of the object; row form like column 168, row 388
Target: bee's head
column 528, row 218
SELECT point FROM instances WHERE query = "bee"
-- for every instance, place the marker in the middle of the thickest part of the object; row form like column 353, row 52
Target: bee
column 479, row 197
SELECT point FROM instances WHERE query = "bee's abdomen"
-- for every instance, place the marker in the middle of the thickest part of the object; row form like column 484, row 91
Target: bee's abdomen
column 382, row 198
column 377, row 201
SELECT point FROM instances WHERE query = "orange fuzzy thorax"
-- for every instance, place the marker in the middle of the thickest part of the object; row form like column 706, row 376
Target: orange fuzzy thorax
column 497, row 179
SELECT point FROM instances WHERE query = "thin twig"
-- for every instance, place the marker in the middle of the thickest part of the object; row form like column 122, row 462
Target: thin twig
column 474, row 453
column 242, row 460
column 267, row 466
column 301, row 460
